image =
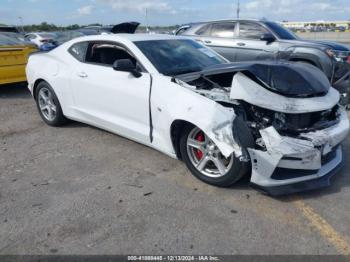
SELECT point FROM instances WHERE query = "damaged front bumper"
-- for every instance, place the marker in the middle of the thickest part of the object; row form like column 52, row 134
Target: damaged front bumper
column 291, row 165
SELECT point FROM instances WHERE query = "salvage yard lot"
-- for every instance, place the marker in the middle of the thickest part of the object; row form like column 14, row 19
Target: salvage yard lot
column 80, row 190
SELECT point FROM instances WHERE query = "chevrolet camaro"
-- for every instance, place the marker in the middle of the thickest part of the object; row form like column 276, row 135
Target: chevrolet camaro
column 278, row 122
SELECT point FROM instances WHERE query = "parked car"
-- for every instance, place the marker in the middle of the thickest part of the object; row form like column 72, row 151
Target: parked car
column 9, row 29
column 248, row 40
column 40, row 38
column 278, row 121
column 13, row 59
column 62, row 37
column 99, row 29
column 341, row 28
column 17, row 36
column 126, row 27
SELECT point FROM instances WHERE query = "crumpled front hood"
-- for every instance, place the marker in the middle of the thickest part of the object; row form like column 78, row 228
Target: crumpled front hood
column 278, row 86
column 245, row 89
column 285, row 78
column 291, row 79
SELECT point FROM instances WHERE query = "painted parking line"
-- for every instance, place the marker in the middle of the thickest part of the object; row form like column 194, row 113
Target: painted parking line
column 323, row 227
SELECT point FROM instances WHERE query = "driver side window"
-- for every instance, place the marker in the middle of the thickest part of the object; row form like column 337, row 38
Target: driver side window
column 106, row 53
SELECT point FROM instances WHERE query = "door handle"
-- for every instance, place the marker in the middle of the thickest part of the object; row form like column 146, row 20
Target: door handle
column 207, row 41
column 82, row 75
column 241, row 44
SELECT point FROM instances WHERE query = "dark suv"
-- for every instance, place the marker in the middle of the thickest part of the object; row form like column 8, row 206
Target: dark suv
column 249, row 40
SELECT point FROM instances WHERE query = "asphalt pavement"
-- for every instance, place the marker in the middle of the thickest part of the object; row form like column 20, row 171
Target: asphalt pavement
column 80, row 190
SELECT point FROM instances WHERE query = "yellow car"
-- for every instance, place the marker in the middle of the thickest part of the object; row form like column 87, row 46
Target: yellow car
column 13, row 59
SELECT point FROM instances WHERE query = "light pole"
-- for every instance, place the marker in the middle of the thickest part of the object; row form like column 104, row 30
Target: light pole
column 21, row 23
column 238, row 8
column 147, row 25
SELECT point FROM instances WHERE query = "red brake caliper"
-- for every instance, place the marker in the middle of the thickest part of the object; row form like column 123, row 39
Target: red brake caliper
column 199, row 154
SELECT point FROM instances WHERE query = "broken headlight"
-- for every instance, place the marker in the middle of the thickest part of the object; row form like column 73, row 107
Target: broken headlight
column 289, row 124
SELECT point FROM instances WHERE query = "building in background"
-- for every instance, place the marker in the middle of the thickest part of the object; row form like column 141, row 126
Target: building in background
column 318, row 26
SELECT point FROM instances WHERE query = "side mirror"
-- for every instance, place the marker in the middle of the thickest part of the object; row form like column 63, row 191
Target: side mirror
column 126, row 65
column 267, row 37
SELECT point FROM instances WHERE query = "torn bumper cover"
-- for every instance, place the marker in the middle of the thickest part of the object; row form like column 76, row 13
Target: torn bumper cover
column 291, row 165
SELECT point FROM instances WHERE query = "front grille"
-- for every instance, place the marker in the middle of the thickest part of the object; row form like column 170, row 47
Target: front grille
column 286, row 173
column 317, row 120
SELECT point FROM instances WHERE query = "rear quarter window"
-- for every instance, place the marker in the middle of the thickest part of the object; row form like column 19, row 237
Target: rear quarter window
column 78, row 51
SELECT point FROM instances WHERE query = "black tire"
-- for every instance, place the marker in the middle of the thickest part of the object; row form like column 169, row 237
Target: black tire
column 59, row 119
column 233, row 175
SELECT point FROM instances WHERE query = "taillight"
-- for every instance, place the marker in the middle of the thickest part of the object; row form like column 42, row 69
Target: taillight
column 348, row 59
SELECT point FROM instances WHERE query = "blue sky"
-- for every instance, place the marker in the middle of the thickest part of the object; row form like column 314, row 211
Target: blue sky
column 167, row 12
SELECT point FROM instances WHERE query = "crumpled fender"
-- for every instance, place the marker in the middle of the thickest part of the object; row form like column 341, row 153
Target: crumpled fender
column 171, row 102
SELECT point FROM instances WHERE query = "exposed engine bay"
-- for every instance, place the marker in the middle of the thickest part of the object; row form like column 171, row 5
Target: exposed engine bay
column 293, row 129
column 219, row 86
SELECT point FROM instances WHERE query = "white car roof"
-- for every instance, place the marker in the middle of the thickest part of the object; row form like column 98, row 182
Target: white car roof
column 130, row 37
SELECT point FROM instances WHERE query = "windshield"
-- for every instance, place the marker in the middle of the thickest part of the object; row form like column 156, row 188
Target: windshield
column 175, row 57
column 281, row 31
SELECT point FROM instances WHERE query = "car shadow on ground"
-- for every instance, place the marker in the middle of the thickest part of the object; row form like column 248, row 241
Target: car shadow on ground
column 339, row 182
column 14, row 91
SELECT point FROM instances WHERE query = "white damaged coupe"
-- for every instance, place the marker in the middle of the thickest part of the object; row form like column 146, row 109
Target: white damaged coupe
column 278, row 122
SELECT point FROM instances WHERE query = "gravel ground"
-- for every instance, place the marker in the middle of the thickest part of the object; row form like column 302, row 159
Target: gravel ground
column 80, row 190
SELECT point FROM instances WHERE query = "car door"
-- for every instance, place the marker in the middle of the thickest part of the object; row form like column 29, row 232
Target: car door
column 113, row 100
column 250, row 47
column 220, row 36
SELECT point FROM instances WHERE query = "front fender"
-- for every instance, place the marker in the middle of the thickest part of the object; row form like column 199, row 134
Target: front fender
column 171, row 102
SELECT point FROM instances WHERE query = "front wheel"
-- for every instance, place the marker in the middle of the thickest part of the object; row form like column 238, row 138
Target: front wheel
column 205, row 160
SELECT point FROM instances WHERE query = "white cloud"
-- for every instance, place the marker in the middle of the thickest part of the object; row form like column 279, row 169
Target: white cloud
column 252, row 5
column 85, row 10
column 294, row 9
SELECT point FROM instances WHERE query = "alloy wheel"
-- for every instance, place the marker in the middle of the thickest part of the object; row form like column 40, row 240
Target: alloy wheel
column 205, row 156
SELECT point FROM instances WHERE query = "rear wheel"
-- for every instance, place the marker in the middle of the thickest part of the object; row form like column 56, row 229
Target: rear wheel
column 48, row 105
column 205, row 160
